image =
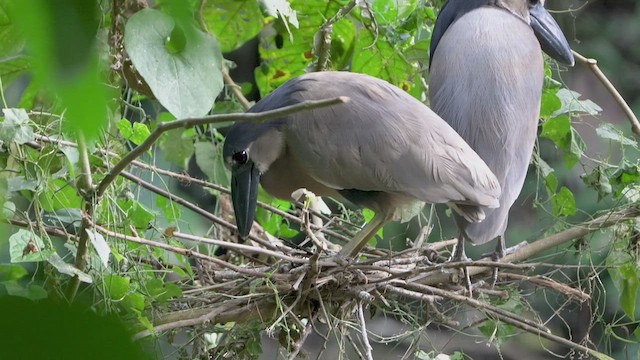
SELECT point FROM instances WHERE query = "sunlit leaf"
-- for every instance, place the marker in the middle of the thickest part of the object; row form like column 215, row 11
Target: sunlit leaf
column 100, row 244
column 232, row 22
column 563, row 203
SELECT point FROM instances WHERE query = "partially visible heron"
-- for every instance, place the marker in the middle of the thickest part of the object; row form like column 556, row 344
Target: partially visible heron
column 486, row 77
column 382, row 150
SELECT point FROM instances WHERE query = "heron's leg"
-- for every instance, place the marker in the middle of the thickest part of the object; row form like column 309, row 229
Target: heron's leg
column 353, row 247
column 459, row 255
column 500, row 252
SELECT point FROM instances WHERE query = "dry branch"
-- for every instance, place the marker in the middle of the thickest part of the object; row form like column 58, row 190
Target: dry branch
column 593, row 65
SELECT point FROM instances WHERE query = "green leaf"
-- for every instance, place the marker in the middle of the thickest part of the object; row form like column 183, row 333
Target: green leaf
column 549, row 103
column 177, row 147
column 572, row 152
column 571, row 104
column 32, row 291
column 116, row 286
column 625, row 278
column 100, row 245
column 389, row 12
column 19, row 183
column 26, row 246
column 69, row 269
column 59, row 194
column 281, row 9
column 186, row 81
column 13, row 66
column 136, row 132
column 557, row 129
column 382, row 59
column 15, row 127
column 286, row 56
column 124, row 126
column 210, row 161
column 610, row 132
column 161, row 291
column 136, row 214
column 563, row 203
column 11, row 272
column 170, row 209
column 624, row 176
column 62, row 39
column 598, row 180
column 233, row 22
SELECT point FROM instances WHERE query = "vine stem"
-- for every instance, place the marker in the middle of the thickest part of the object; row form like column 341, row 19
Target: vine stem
column 87, row 191
column 593, row 65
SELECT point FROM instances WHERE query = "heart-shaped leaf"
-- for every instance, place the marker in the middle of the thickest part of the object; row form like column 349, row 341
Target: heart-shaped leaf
column 185, row 76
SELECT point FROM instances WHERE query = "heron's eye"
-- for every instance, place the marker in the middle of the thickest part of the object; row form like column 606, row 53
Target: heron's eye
column 240, row 157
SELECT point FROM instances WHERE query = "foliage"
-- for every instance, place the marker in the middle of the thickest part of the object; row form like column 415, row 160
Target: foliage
column 87, row 83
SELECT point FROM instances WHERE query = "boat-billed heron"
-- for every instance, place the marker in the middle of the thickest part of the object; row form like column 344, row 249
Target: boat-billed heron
column 486, row 77
column 382, row 150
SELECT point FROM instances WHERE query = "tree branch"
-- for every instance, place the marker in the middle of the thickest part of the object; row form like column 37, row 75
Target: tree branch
column 540, row 245
column 593, row 65
column 191, row 122
column 87, row 192
column 322, row 40
column 235, row 89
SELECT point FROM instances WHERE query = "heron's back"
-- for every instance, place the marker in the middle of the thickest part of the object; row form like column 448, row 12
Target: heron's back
column 383, row 140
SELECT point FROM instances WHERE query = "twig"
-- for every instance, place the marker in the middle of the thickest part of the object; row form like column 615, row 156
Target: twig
column 186, row 252
column 363, row 331
column 54, row 231
column 192, row 122
column 559, row 287
column 259, row 309
column 86, row 190
column 549, row 242
column 593, row 65
column 189, row 205
column 190, row 322
column 322, row 41
column 235, row 89
column 247, row 248
column 555, row 338
column 189, row 179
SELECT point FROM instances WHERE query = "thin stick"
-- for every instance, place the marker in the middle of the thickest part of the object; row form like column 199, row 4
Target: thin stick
column 549, row 242
column 86, row 190
column 186, row 252
column 191, row 206
column 593, row 65
column 235, row 89
column 363, row 331
column 192, row 122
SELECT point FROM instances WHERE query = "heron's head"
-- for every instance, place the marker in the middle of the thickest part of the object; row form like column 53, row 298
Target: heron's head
column 249, row 149
column 547, row 31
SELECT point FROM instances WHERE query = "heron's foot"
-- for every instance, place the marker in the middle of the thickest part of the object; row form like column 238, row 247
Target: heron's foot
column 499, row 253
column 459, row 255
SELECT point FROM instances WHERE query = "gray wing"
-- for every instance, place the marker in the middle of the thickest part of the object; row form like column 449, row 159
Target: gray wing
column 384, row 140
column 489, row 92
